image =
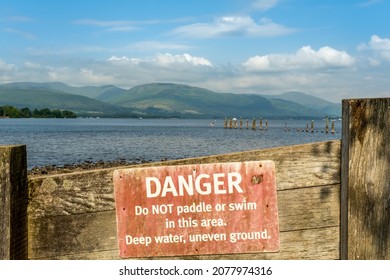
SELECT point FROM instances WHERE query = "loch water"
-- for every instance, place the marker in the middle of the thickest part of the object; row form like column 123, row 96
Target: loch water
column 73, row 141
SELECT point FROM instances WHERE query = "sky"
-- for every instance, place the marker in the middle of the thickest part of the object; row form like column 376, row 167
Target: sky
column 329, row 49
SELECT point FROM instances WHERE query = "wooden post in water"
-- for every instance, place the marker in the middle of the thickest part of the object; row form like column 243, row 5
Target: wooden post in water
column 326, row 126
column 254, row 124
column 266, row 124
column 365, row 180
column 13, row 202
column 261, row 123
column 312, row 126
column 333, row 131
column 240, row 123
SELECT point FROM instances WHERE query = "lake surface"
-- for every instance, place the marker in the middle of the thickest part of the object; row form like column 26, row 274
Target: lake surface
column 73, row 141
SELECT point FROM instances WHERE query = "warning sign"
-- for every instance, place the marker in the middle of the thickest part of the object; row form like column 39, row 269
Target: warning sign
column 222, row 208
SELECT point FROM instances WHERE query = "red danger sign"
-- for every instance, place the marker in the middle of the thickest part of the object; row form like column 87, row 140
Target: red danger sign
column 221, row 208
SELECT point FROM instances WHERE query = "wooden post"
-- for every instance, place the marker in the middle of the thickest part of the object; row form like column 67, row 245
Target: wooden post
column 365, row 180
column 326, row 125
column 261, row 123
column 312, row 126
column 333, row 131
column 13, row 202
column 254, row 124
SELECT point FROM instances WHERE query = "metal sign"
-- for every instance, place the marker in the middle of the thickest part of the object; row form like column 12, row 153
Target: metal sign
column 221, row 208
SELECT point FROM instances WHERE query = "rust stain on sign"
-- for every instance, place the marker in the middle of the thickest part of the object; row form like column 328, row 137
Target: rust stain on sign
column 221, row 208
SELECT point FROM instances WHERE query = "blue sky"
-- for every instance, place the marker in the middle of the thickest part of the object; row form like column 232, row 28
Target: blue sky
column 329, row 49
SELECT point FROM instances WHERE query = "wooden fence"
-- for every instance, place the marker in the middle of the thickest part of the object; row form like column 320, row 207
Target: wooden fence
column 333, row 198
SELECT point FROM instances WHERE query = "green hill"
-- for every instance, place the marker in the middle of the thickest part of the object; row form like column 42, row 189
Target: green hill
column 37, row 98
column 306, row 100
column 182, row 99
column 101, row 93
column 161, row 100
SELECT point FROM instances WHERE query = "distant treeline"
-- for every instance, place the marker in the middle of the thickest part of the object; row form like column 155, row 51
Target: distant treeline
column 13, row 112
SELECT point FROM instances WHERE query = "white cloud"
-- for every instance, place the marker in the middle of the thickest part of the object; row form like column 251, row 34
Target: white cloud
column 94, row 77
column 17, row 19
column 373, row 62
column 233, row 26
column 169, row 59
column 381, row 46
column 6, row 67
column 156, row 45
column 102, row 23
column 368, row 3
column 166, row 60
column 110, row 26
column 163, row 67
column 118, row 70
column 264, row 5
column 31, row 65
column 377, row 50
column 118, row 25
column 125, row 28
column 304, row 58
column 25, row 35
column 123, row 59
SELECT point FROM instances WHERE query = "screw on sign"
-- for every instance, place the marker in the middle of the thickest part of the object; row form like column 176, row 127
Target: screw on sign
column 221, row 208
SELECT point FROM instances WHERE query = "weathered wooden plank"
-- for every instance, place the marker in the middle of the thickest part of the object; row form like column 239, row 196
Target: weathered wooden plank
column 365, row 217
column 13, row 202
column 71, row 194
column 57, row 236
column 60, row 235
column 308, row 208
column 297, row 166
column 312, row 244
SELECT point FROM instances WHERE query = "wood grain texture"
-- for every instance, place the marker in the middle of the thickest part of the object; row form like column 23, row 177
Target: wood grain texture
column 13, row 202
column 72, row 193
column 301, row 211
column 365, row 191
column 314, row 244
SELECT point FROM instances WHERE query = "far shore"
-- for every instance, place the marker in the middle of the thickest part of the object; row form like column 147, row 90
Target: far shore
column 86, row 165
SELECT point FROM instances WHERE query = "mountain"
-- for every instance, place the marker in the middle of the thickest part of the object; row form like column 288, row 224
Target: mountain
column 39, row 98
column 101, row 93
column 179, row 99
column 311, row 102
column 161, row 100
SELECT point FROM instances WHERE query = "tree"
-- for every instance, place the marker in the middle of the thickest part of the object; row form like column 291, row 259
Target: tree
column 10, row 111
column 25, row 113
column 68, row 114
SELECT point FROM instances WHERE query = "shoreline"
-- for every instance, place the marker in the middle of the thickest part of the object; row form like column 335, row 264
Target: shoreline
column 84, row 166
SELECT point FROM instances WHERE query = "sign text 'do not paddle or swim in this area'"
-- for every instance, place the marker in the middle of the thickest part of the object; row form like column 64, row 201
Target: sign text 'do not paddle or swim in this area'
column 221, row 208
